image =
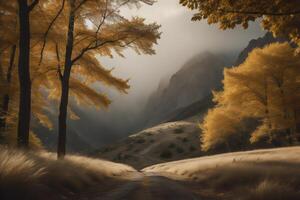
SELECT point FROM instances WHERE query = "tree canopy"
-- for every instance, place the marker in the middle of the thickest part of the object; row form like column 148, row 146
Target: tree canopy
column 281, row 17
column 266, row 88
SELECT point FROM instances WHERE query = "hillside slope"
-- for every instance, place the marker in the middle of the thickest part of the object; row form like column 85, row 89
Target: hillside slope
column 261, row 174
column 165, row 142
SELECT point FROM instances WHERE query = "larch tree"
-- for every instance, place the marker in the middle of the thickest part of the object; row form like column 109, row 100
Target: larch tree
column 8, row 43
column 24, row 10
column 281, row 17
column 265, row 87
column 10, row 85
column 83, row 32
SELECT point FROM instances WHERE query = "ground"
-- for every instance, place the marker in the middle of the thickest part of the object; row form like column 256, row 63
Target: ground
column 252, row 175
column 162, row 143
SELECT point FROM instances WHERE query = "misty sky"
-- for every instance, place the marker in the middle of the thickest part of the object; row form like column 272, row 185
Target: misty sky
column 181, row 39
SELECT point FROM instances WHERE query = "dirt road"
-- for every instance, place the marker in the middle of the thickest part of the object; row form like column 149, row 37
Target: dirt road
column 144, row 187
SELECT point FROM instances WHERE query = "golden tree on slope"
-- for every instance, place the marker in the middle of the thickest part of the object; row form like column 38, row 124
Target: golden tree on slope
column 265, row 87
column 94, row 28
column 281, row 17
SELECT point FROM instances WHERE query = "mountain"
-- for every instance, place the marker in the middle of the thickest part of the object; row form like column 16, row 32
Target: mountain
column 193, row 82
column 257, row 43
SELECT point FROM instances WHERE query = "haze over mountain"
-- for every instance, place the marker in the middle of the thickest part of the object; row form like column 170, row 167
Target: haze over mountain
column 183, row 94
column 194, row 81
column 180, row 41
column 174, row 111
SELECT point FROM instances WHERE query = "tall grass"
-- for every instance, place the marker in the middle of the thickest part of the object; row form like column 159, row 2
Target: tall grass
column 39, row 175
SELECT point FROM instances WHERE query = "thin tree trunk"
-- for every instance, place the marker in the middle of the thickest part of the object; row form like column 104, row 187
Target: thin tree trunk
column 24, row 75
column 62, row 121
column 267, row 111
column 288, row 131
column 5, row 102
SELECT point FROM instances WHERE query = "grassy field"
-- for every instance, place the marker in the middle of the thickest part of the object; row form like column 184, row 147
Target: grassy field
column 38, row 175
column 271, row 174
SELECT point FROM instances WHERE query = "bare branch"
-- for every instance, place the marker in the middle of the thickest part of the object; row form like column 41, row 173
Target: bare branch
column 297, row 12
column 80, row 4
column 11, row 63
column 58, row 62
column 90, row 47
column 32, row 5
column 48, row 29
column 103, row 18
column 41, row 73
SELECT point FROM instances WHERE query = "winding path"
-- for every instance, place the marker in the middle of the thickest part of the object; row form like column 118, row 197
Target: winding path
column 145, row 187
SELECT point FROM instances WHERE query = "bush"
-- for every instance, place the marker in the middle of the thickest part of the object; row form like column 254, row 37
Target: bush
column 172, row 145
column 140, row 141
column 192, row 148
column 166, row 154
column 178, row 130
column 179, row 150
column 184, row 139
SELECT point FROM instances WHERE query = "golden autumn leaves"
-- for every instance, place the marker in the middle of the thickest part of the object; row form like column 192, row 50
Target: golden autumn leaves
column 280, row 17
column 67, row 38
column 266, row 87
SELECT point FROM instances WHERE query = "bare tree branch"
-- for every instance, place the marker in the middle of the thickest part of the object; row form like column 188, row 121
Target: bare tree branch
column 90, row 47
column 32, row 5
column 297, row 12
column 80, row 4
column 48, row 29
column 58, row 62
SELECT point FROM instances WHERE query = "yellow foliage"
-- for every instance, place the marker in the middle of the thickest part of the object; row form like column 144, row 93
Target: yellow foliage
column 100, row 30
column 281, row 17
column 264, row 87
column 219, row 124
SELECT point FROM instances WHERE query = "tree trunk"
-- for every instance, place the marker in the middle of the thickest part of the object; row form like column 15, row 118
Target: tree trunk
column 62, row 121
column 5, row 102
column 267, row 111
column 24, row 75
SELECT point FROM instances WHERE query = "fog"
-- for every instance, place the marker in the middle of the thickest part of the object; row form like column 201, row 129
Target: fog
column 181, row 39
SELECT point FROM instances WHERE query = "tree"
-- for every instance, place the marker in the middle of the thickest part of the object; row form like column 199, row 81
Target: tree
column 7, row 55
column 265, row 87
column 24, row 71
column 10, row 90
column 94, row 28
column 280, row 17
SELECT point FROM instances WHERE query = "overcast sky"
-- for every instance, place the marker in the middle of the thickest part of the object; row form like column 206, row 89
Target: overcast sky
column 181, row 39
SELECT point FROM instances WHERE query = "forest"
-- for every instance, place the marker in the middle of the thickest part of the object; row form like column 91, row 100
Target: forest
column 218, row 124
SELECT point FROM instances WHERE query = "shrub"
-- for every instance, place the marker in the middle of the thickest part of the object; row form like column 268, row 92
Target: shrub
column 192, row 148
column 140, row 141
column 172, row 145
column 166, row 154
column 179, row 150
column 184, row 139
column 178, row 130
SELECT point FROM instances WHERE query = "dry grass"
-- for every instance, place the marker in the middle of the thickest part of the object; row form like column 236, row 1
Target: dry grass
column 260, row 181
column 38, row 175
column 255, row 175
